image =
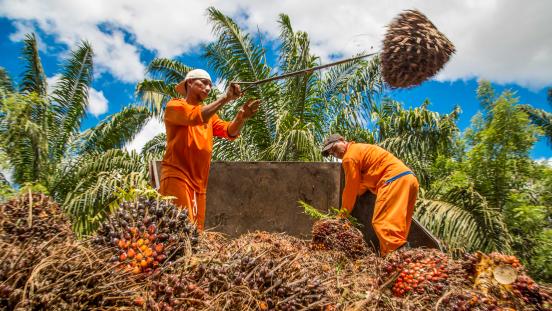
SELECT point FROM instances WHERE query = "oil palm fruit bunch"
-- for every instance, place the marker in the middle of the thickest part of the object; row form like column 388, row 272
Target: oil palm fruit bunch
column 338, row 234
column 512, row 288
column 33, row 218
column 413, row 50
column 527, row 290
column 145, row 233
column 173, row 291
column 78, row 276
column 420, row 272
column 461, row 300
column 484, row 278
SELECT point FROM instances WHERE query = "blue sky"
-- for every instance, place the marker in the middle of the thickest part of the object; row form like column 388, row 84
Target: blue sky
column 127, row 35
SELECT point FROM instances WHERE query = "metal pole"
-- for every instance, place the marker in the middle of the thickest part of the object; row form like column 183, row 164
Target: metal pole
column 302, row 71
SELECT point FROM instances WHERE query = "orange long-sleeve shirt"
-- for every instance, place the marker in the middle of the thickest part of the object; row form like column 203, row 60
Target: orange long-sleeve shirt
column 190, row 143
column 367, row 167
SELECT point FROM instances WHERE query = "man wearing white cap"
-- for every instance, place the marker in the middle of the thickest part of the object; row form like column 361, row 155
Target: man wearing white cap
column 190, row 125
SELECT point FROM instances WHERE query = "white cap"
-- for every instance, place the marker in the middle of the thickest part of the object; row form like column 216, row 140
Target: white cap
column 192, row 74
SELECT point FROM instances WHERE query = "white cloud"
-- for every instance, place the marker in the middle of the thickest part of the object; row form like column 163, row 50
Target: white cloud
column 504, row 41
column 97, row 103
column 150, row 130
column 51, row 82
column 544, row 161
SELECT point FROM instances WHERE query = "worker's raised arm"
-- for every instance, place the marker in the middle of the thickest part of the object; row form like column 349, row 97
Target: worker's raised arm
column 232, row 92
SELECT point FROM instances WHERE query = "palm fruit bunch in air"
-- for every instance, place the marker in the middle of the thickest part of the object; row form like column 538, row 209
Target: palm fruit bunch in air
column 33, row 218
column 420, row 272
column 338, row 234
column 512, row 288
column 146, row 233
column 413, row 50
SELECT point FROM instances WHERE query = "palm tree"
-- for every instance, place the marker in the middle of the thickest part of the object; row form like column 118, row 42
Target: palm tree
column 41, row 136
column 296, row 113
column 541, row 118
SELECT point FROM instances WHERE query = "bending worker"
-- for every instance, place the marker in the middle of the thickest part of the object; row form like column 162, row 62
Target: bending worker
column 190, row 125
column 372, row 168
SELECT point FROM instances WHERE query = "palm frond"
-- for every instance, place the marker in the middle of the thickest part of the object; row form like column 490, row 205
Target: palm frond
column 6, row 83
column 541, row 118
column 85, row 168
column 234, row 56
column 71, row 96
column 171, row 71
column 463, row 220
column 156, row 145
column 23, row 133
column 89, row 204
column 155, row 94
column 115, row 131
column 33, row 77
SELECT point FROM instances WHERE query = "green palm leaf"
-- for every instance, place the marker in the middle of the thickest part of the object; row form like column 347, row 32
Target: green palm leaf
column 170, row 70
column 33, row 78
column 541, row 118
column 464, row 221
column 6, row 84
column 155, row 94
column 71, row 96
column 24, row 126
column 155, row 146
column 115, row 131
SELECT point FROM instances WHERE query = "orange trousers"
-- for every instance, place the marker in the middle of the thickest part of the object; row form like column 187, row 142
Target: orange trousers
column 393, row 212
column 187, row 198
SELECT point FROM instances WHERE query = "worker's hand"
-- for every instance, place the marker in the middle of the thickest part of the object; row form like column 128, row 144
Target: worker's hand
column 233, row 91
column 250, row 108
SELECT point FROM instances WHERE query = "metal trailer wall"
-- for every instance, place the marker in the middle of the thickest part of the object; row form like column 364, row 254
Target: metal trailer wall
column 247, row 196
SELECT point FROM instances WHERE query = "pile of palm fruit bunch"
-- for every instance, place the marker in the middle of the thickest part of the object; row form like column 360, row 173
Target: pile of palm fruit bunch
column 33, row 218
column 338, row 234
column 77, row 276
column 147, row 256
column 258, row 271
column 145, row 233
column 31, row 227
column 413, row 50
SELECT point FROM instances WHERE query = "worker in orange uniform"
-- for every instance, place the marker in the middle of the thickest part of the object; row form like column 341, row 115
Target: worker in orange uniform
column 369, row 167
column 190, row 126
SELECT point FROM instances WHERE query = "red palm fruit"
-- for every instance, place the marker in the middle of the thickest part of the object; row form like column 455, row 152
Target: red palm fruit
column 159, row 247
column 134, row 231
column 131, row 253
column 123, row 257
column 139, row 301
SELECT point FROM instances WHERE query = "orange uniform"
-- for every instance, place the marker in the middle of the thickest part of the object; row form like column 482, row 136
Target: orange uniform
column 369, row 167
column 185, row 166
